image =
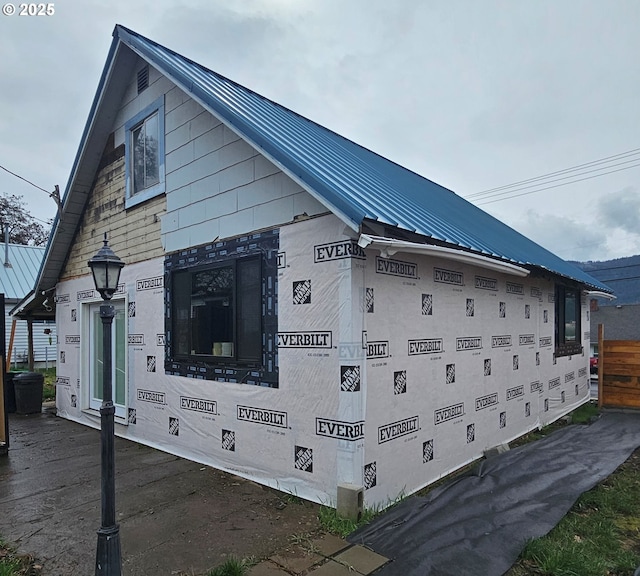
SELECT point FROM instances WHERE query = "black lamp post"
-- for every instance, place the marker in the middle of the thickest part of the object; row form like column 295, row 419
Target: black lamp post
column 106, row 266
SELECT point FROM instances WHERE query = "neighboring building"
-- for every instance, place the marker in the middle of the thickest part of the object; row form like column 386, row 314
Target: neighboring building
column 18, row 273
column 620, row 322
column 620, row 316
column 294, row 308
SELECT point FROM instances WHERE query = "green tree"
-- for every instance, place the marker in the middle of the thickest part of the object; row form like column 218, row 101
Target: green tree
column 23, row 227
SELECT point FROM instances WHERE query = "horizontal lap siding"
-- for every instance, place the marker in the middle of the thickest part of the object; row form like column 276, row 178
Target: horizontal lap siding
column 134, row 235
column 620, row 365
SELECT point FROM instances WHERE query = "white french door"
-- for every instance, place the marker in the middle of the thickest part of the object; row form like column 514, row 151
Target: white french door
column 118, row 356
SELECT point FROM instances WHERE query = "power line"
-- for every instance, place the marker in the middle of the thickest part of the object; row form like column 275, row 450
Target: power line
column 27, row 181
column 564, row 178
column 556, row 186
column 606, row 159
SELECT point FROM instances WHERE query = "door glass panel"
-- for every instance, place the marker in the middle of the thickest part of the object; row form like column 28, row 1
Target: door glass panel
column 118, row 356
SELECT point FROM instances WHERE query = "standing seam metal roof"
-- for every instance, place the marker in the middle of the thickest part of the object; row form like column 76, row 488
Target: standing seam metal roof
column 354, row 182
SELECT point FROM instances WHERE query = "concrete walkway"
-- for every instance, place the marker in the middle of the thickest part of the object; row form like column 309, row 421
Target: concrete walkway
column 176, row 517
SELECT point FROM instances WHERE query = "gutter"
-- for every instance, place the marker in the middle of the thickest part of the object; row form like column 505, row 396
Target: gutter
column 388, row 247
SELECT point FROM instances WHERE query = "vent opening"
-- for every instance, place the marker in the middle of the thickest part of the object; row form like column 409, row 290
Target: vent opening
column 143, row 78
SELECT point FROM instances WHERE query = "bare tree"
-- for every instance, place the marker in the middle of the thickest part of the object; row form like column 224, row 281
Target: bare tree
column 23, row 227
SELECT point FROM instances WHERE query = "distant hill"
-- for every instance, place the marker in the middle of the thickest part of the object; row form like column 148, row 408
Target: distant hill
column 622, row 275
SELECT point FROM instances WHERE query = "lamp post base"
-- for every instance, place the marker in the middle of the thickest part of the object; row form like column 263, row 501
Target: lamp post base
column 108, row 557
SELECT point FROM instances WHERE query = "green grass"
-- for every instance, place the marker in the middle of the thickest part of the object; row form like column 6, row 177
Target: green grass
column 332, row 522
column 600, row 536
column 49, row 388
column 231, row 567
column 11, row 564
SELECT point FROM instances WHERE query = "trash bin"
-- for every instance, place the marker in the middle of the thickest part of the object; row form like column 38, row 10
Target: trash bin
column 28, row 388
column 9, row 392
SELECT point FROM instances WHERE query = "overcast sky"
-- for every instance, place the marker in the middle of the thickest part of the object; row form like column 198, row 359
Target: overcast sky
column 471, row 94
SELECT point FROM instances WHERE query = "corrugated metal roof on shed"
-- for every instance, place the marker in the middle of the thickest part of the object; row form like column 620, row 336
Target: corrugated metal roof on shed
column 18, row 279
column 354, row 182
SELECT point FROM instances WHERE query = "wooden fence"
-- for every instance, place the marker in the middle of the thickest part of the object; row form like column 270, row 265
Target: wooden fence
column 618, row 372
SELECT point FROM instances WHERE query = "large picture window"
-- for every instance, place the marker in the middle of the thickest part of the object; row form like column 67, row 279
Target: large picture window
column 221, row 311
column 144, row 154
column 568, row 326
column 217, row 312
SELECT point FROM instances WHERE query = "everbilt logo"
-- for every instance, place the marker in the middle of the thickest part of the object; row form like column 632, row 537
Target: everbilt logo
column 84, row 294
column 448, row 276
column 398, row 429
column 72, row 339
column 515, row 289
column 582, row 372
column 486, row 283
column 378, row 349
column 304, row 340
column 198, row 405
column 338, row 250
column 396, row 268
column 469, row 343
column 448, row 413
column 486, row 401
column 536, row 293
column 60, row 298
column 500, row 341
column 554, row 383
column 341, row 430
column 262, row 416
column 570, row 377
column 536, row 386
column 545, row 341
column 151, row 396
column 427, row 346
column 63, row 381
column 527, row 339
column 135, row 339
column 150, row 283
column 515, row 392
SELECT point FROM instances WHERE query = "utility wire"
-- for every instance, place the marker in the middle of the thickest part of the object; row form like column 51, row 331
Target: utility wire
column 480, row 203
column 27, row 181
column 607, row 160
column 493, row 194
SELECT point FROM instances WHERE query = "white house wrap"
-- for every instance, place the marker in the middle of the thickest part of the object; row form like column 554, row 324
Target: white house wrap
column 294, row 308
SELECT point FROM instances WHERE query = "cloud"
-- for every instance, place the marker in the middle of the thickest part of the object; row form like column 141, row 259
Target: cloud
column 620, row 210
column 565, row 237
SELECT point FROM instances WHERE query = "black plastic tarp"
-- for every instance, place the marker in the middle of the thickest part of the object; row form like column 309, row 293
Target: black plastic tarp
column 479, row 523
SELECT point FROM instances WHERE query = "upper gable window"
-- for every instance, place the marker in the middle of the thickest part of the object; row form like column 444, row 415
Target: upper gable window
column 144, row 153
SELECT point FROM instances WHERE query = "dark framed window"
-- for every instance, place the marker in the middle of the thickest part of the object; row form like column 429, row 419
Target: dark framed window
column 568, row 329
column 221, row 310
column 217, row 312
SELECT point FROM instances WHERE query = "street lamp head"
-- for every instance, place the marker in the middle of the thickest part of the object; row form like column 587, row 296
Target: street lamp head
column 106, row 266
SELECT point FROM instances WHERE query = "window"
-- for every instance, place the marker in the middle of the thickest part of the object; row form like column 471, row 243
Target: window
column 144, row 149
column 221, row 311
column 567, row 328
column 217, row 312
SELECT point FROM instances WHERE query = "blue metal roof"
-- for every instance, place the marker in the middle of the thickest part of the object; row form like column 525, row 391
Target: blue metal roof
column 354, row 182
column 17, row 278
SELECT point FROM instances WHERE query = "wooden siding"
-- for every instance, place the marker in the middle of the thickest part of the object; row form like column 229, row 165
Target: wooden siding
column 619, row 369
column 134, row 234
